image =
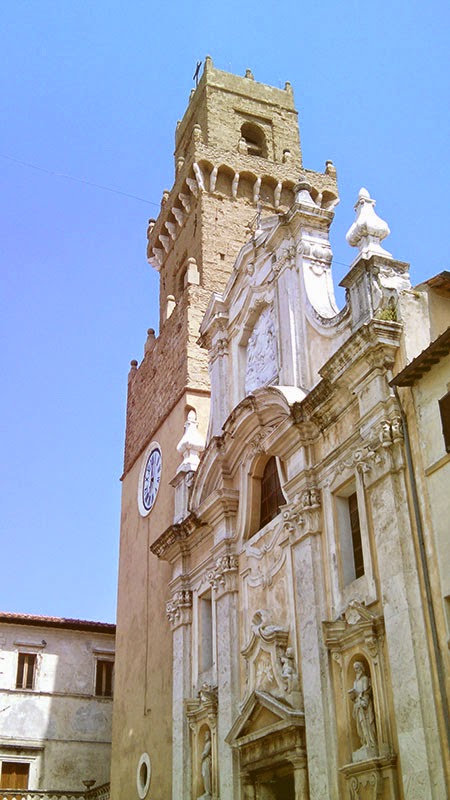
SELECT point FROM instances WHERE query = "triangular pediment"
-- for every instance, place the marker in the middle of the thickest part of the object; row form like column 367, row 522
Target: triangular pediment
column 261, row 715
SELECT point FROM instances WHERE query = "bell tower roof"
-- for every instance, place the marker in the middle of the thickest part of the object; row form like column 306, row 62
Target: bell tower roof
column 229, row 108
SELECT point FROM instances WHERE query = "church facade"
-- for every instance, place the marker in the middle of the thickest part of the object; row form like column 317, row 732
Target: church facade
column 281, row 625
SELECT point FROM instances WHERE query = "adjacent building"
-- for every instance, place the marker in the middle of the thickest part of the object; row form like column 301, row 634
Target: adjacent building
column 282, row 582
column 56, row 688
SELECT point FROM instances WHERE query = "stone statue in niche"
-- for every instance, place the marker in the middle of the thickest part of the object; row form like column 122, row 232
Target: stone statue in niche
column 288, row 671
column 262, row 358
column 206, row 766
column 289, row 675
column 363, row 714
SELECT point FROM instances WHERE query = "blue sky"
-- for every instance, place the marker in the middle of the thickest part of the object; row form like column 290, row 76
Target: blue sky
column 93, row 90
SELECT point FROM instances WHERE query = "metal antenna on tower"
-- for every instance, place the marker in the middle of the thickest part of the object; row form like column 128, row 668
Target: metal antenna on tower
column 196, row 73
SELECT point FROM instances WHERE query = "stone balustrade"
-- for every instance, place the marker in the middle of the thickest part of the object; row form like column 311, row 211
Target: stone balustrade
column 97, row 793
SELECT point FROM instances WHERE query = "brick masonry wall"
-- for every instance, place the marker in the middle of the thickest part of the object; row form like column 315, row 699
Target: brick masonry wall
column 175, row 363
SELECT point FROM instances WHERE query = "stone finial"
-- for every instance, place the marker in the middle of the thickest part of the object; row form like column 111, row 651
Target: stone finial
column 249, row 74
column 330, row 169
column 170, row 305
column 133, row 369
column 165, row 196
column 192, row 275
column 150, row 342
column 303, row 194
column 368, row 230
column 190, row 445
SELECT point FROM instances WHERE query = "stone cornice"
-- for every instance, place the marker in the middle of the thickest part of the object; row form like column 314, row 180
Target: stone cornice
column 174, row 540
column 357, row 625
column 373, row 346
column 380, row 336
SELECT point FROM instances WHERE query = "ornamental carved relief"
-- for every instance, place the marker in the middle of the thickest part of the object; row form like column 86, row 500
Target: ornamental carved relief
column 304, row 514
column 362, row 458
column 270, row 662
column 223, row 577
column 179, row 608
column 390, row 431
column 285, row 258
column 262, row 354
column 264, row 560
column 219, row 348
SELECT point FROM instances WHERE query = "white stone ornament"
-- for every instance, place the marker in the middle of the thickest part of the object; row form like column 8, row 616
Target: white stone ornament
column 368, row 230
column 303, row 194
column 191, row 445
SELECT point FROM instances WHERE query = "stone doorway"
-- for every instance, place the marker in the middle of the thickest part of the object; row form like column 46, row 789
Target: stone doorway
column 269, row 736
column 276, row 787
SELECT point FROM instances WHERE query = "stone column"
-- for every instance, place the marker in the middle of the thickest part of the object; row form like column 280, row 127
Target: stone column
column 224, row 582
column 248, row 787
column 300, row 779
column 303, row 520
column 179, row 612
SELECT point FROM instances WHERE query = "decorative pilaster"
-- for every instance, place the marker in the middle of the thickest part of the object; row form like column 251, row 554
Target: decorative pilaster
column 179, row 612
column 303, row 520
column 224, row 581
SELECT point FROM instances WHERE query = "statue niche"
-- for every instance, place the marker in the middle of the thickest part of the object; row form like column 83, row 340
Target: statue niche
column 202, row 715
column 363, row 714
column 206, row 766
column 262, row 357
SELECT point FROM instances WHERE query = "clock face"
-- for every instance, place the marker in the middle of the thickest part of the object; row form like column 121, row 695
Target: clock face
column 150, row 478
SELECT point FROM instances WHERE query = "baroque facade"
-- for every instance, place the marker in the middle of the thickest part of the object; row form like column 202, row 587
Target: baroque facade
column 282, row 589
column 56, row 685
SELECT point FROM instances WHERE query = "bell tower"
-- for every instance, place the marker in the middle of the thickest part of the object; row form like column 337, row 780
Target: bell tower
column 237, row 159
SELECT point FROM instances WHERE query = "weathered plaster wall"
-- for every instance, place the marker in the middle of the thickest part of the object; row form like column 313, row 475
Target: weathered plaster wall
column 61, row 718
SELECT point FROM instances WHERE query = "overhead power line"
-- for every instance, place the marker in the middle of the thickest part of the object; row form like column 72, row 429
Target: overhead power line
column 78, row 180
column 98, row 186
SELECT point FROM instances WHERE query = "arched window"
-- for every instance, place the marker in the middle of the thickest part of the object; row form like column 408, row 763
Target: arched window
column 254, row 139
column 271, row 495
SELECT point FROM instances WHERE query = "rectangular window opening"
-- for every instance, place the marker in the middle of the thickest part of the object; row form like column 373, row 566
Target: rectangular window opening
column 14, row 775
column 350, row 540
column 104, row 678
column 26, row 670
column 444, row 408
column 355, row 528
column 206, row 632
